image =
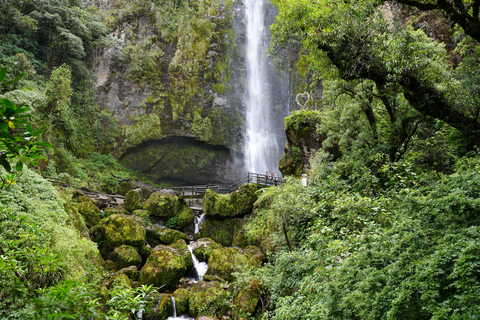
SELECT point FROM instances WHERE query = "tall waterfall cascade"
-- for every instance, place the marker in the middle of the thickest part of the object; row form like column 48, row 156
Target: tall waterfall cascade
column 262, row 139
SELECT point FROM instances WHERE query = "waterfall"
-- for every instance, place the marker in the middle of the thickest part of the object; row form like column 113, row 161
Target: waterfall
column 261, row 145
column 174, row 307
column 197, row 221
column 199, row 267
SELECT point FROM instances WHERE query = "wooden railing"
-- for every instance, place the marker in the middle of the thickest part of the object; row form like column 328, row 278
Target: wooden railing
column 199, row 190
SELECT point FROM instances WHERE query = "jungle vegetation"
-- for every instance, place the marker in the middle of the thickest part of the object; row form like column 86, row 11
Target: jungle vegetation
column 388, row 228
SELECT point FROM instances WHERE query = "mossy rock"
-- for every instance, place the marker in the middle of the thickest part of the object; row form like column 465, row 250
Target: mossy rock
column 124, row 187
column 90, row 212
column 121, row 229
column 246, row 301
column 74, row 218
column 157, row 234
column 107, row 212
column 202, row 248
column 131, row 272
column 221, row 231
column 162, row 309
column 134, row 200
column 126, row 256
column 163, row 205
column 265, row 198
column 237, row 203
column 181, row 300
column 102, row 295
column 119, row 280
column 166, row 265
column 185, row 218
column 240, row 239
column 224, row 262
column 209, row 298
column 141, row 213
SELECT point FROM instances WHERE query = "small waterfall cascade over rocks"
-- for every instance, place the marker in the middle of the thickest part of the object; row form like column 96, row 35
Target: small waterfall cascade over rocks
column 262, row 139
column 174, row 316
column 200, row 268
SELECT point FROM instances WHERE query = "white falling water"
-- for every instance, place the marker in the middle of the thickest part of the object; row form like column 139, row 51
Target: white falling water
column 261, row 145
column 174, row 316
column 200, row 267
column 197, row 221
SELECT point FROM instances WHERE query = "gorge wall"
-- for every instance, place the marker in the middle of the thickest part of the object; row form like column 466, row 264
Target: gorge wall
column 175, row 71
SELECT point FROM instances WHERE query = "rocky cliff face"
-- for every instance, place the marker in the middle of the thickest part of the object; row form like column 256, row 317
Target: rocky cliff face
column 174, row 72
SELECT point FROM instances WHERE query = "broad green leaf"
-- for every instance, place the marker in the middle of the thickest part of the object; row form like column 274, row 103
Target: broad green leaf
column 5, row 164
column 3, row 74
column 19, row 166
column 44, row 144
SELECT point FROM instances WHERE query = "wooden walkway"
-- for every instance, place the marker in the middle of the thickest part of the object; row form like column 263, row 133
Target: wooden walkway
column 198, row 191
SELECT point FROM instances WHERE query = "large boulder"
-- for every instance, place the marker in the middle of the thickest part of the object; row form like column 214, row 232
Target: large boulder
column 134, row 200
column 162, row 309
column 166, row 265
column 157, row 234
column 209, row 298
column 185, row 218
column 90, row 212
column 126, row 256
column 224, row 262
column 238, row 203
column 221, row 231
column 114, row 210
column 181, row 300
column 202, row 248
column 246, row 301
column 163, row 205
column 121, row 229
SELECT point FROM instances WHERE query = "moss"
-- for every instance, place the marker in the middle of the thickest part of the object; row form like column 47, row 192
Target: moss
column 221, row 231
column 131, row 272
column 134, row 200
column 157, row 234
column 166, row 265
column 204, row 247
column 114, row 210
column 246, row 301
column 224, row 262
column 163, row 205
column 185, row 218
column 119, row 280
column 40, row 203
column 126, row 256
column 162, row 309
column 181, row 300
column 237, row 203
column 208, row 299
column 121, row 229
column 89, row 211
column 124, row 187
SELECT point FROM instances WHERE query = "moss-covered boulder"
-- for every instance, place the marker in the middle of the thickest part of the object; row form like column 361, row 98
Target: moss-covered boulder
column 90, row 212
column 221, row 231
column 237, row 203
column 124, row 187
column 134, row 200
column 224, row 262
column 161, row 310
column 131, row 272
column 157, row 234
column 209, row 298
column 126, row 256
column 114, row 210
column 121, row 229
column 119, row 280
column 202, row 248
column 181, row 300
column 166, row 265
column 141, row 213
column 185, row 218
column 246, row 301
column 163, row 205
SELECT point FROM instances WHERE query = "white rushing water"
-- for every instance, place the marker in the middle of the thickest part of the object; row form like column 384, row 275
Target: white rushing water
column 197, row 221
column 174, row 316
column 200, row 267
column 261, row 146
